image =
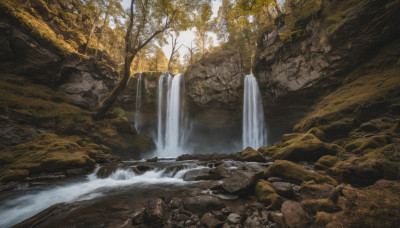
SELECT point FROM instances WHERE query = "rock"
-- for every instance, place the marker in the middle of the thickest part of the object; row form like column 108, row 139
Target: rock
column 216, row 77
column 202, row 204
column 233, row 218
column 175, row 202
column 283, row 188
column 197, row 174
column 266, row 194
column 155, row 159
column 137, row 217
column 252, row 222
column 144, row 168
column 277, row 217
column 210, row 221
column 368, row 127
column 322, row 219
column 294, row 215
column 315, row 205
column 295, row 173
column 274, row 179
column 311, row 190
column 325, row 162
column 220, row 172
column 240, row 182
column 156, row 212
column 250, row 155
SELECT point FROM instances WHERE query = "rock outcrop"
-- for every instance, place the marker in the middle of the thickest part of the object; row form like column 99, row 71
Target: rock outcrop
column 293, row 75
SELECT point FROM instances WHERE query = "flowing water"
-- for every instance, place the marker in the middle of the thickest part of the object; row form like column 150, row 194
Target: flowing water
column 17, row 208
column 138, row 100
column 254, row 132
column 171, row 134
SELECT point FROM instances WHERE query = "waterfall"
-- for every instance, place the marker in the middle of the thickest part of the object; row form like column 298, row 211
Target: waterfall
column 171, row 133
column 138, row 101
column 254, row 133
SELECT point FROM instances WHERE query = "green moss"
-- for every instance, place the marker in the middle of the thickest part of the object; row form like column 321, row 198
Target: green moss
column 49, row 152
column 326, row 162
column 302, row 147
column 36, row 26
column 374, row 206
column 266, row 194
column 322, row 218
column 315, row 205
column 362, row 144
column 250, row 155
column 293, row 172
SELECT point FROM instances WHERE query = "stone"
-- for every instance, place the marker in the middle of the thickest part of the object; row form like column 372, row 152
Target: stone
column 197, row 174
column 294, row 215
column 210, row 221
column 277, row 217
column 266, row 194
column 144, row 168
column 283, row 188
column 156, row 212
column 155, row 159
column 233, row 218
column 274, row 179
column 175, row 202
column 250, row 155
column 220, row 172
column 252, row 222
column 240, row 182
column 202, row 204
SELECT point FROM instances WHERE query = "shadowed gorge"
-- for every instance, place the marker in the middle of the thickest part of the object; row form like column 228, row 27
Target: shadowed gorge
column 122, row 113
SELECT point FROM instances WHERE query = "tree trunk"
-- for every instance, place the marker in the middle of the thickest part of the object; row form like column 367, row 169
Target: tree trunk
column 101, row 31
column 90, row 35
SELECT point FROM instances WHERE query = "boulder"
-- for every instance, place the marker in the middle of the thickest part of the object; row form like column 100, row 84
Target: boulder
column 208, row 220
column 266, row 194
column 156, row 212
column 283, row 188
column 294, row 215
column 325, row 162
column 202, row 204
column 233, row 218
column 250, row 155
column 315, row 205
column 240, row 182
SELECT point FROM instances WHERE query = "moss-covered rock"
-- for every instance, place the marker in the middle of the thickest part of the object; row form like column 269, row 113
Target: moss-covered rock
column 362, row 144
column 315, row 205
column 365, row 170
column 325, row 162
column 266, row 194
column 312, row 190
column 49, row 152
column 302, row 147
column 296, row 173
column 322, row 219
column 250, row 155
column 375, row 206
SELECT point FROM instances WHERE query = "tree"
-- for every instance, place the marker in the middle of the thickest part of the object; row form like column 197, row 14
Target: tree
column 150, row 18
column 203, row 26
column 174, row 43
column 96, row 9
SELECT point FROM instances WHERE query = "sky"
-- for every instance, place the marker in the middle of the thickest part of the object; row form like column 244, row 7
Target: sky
column 185, row 37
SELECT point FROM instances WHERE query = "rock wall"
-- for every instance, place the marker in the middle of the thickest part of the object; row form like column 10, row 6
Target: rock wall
column 85, row 82
column 293, row 75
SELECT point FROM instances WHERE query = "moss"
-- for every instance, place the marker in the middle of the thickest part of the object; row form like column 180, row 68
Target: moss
column 326, row 162
column 358, row 100
column 266, row 194
column 362, row 144
column 302, row 147
column 250, row 155
column 49, row 152
column 13, row 174
column 293, row 172
column 36, row 26
column 315, row 205
column 322, row 218
column 374, row 206
column 336, row 13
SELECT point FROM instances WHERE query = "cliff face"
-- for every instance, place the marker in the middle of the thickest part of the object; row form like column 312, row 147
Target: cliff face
column 293, row 75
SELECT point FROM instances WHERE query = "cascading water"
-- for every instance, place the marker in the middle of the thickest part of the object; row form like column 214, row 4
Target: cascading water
column 15, row 210
column 171, row 134
column 138, row 100
column 254, row 133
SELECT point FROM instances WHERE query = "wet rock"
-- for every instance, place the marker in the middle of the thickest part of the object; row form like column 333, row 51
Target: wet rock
column 156, row 212
column 137, row 217
column 233, row 218
column 197, row 174
column 202, row 204
column 220, row 172
column 283, row 188
column 294, row 215
column 144, row 168
column 204, row 157
column 274, row 179
column 212, row 185
column 252, row 222
column 240, row 182
column 210, row 221
column 155, row 159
